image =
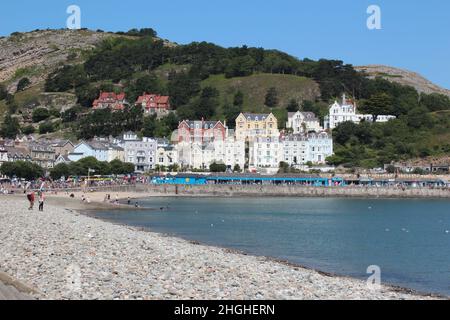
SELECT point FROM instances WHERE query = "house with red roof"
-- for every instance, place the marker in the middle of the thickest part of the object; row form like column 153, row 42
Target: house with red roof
column 202, row 131
column 154, row 104
column 110, row 100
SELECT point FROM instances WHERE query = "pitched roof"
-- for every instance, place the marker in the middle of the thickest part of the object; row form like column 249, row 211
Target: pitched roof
column 256, row 116
column 153, row 100
column 202, row 124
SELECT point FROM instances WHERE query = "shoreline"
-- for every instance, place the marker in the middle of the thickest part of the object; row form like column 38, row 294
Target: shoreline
column 324, row 284
column 393, row 287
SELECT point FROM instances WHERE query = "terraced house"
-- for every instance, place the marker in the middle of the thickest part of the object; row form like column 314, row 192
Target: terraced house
column 43, row 155
column 250, row 126
column 201, row 131
column 140, row 152
column 314, row 147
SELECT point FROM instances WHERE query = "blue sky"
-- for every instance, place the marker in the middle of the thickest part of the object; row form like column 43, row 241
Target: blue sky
column 415, row 34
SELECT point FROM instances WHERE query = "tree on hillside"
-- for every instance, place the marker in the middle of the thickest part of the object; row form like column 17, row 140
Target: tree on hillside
column 293, row 106
column 238, row 99
column 240, row 67
column 10, row 127
column 271, row 98
column 231, row 112
column 435, row 101
column 40, row 114
column 206, row 105
column 3, row 92
column 28, row 130
column 46, row 127
column 67, row 78
column 23, row 84
column 86, row 94
column 182, row 88
column 378, row 104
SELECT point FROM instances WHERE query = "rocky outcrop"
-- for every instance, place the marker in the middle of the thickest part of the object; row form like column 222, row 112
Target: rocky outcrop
column 37, row 53
column 404, row 77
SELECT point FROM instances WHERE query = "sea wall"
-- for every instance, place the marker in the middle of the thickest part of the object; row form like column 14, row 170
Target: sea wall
column 293, row 191
column 275, row 191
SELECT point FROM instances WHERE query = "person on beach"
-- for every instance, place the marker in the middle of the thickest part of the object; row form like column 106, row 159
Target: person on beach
column 41, row 201
column 129, row 200
column 31, row 198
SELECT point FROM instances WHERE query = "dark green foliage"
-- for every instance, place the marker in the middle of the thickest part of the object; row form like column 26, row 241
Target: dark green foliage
column 67, row 78
column 375, row 144
column 22, row 169
column 271, row 98
column 217, row 167
column 28, row 130
column 378, row 104
column 182, row 88
column 105, row 122
column 46, row 127
column 160, row 128
column 293, row 106
column 71, row 114
column 86, row 94
column 435, row 101
column 238, row 99
column 40, row 114
column 145, row 32
column 12, row 107
column 145, row 84
column 3, row 92
column 23, row 84
column 81, row 167
column 10, row 127
column 231, row 112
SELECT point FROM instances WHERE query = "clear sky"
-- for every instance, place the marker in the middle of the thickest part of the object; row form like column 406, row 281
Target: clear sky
column 415, row 34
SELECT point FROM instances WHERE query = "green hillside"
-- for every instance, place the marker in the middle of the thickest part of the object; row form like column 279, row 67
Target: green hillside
column 255, row 87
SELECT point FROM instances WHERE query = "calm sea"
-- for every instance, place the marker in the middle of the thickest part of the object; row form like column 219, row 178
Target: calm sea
column 408, row 239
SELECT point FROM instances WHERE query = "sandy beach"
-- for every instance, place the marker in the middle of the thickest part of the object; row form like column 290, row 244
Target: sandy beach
column 63, row 254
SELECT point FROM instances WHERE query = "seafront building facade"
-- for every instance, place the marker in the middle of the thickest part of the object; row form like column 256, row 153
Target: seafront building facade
column 141, row 152
column 250, row 126
column 256, row 143
column 266, row 152
column 303, row 122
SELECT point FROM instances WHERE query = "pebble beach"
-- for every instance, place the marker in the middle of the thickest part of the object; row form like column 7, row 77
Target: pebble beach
column 64, row 254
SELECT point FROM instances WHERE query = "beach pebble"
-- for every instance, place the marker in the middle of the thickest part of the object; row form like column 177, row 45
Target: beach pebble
column 67, row 255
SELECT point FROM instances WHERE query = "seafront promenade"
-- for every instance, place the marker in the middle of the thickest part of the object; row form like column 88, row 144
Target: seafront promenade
column 63, row 254
column 229, row 190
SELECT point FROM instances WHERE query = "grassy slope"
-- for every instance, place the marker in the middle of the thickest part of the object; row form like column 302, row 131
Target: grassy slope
column 256, row 86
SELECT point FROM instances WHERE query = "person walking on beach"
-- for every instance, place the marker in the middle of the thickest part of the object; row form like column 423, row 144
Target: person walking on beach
column 30, row 195
column 41, row 201
column 31, row 198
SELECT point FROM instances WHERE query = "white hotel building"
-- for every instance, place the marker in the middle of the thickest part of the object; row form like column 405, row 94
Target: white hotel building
column 346, row 111
column 266, row 152
column 314, row 147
